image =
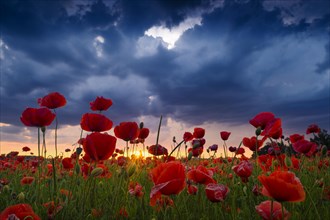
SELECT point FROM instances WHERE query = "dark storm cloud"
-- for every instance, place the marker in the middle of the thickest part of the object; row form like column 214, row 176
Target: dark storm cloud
column 241, row 60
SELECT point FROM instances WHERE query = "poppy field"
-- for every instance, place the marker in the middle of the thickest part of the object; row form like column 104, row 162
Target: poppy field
column 287, row 177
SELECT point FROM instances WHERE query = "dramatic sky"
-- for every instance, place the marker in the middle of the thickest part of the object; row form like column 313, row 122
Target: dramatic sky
column 200, row 63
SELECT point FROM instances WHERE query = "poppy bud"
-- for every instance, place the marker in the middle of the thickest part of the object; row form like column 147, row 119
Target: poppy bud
column 79, row 150
column 21, row 197
column 190, row 155
column 6, row 188
column 288, row 161
column 96, row 172
column 43, row 129
column 141, row 125
column 258, row 131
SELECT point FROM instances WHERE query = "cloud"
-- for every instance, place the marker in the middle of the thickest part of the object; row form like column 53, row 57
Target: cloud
column 194, row 62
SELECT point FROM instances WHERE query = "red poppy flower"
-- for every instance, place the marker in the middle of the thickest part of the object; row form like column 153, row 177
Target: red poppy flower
column 52, row 209
column 273, row 129
column 187, row 136
column 282, row 186
column 296, row 137
column 25, row 149
column 27, row 180
column 157, row 150
column 199, row 132
column 143, row 133
column 95, row 122
column 216, row 192
column 224, row 135
column 240, row 151
column 100, row 104
column 169, row 178
column 313, row 128
column 196, row 151
column 243, row 170
column 192, row 189
column 232, row 149
column 305, row 147
column 37, row 117
column 19, row 211
column 99, row 146
column 264, row 210
column 262, row 119
column 52, row 100
column 67, row 163
column 251, row 143
column 201, row 175
column 135, row 189
column 12, row 154
column 127, row 131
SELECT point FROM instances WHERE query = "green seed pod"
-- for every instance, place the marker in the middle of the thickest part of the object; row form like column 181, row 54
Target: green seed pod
column 288, row 161
column 258, row 131
column 190, row 155
column 96, row 172
column 21, row 197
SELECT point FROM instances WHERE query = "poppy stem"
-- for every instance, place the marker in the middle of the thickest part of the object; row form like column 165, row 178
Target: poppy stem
column 174, row 149
column 158, row 132
column 282, row 208
column 39, row 166
column 271, row 209
column 56, row 124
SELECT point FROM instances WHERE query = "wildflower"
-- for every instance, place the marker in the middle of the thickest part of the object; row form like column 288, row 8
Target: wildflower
column 201, row 175
column 243, row 170
column 127, row 131
column 252, row 143
column 26, row 148
column 282, row 186
column 19, row 211
column 264, row 210
column 52, row 209
column 216, row 192
column 99, row 146
column 157, row 150
column 143, row 133
column 313, row 128
column 305, row 147
column 37, row 117
column 273, row 129
column 195, row 151
column 199, row 132
column 27, row 180
column 296, row 137
column 67, row 163
column 95, row 122
column 262, row 119
column 100, row 104
column 52, row 100
column 224, row 135
column 192, row 189
column 187, row 136
column 135, row 189
column 168, row 178
column 213, row 147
